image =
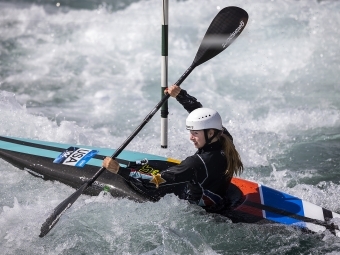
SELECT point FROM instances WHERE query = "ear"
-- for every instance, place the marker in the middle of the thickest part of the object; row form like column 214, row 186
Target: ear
column 210, row 133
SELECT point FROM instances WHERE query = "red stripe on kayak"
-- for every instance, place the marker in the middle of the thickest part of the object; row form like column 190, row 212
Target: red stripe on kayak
column 251, row 192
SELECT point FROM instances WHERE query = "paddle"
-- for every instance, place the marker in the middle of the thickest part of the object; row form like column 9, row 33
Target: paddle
column 223, row 30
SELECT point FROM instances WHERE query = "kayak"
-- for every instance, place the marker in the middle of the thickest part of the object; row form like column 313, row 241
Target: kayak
column 72, row 165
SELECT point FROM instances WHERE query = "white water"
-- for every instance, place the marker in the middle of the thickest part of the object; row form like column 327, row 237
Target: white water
column 90, row 76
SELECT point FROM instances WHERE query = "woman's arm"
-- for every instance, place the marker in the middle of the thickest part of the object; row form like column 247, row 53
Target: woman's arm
column 183, row 172
column 189, row 102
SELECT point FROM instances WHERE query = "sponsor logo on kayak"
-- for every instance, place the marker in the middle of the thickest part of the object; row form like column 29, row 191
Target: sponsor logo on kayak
column 97, row 184
column 148, row 170
column 233, row 34
column 74, row 156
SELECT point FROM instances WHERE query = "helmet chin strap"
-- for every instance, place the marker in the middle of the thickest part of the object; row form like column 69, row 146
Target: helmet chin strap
column 207, row 139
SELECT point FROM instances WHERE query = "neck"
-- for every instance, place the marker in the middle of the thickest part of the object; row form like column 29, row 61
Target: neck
column 214, row 140
column 210, row 146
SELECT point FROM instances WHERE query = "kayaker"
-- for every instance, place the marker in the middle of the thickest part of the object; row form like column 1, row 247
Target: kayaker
column 208, row 172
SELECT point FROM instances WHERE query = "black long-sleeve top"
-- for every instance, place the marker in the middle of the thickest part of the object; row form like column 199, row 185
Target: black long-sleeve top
column 203, row 172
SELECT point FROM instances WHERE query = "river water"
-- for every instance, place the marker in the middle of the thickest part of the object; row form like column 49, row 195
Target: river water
column 88, row 72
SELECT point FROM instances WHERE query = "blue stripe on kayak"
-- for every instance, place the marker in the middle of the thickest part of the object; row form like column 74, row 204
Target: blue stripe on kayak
column 126, row 155
column 285, row 202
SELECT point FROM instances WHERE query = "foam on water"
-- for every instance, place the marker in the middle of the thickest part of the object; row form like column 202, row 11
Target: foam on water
column 90, row 76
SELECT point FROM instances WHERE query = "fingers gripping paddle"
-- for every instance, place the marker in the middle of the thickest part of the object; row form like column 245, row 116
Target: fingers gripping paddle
column 223, row 30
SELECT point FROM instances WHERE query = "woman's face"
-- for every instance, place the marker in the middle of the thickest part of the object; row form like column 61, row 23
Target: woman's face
column 197, row 137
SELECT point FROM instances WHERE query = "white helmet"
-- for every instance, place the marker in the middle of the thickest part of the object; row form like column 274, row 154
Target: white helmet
column 204, row 118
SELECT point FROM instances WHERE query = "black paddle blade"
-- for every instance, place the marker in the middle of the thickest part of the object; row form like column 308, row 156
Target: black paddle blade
column 59, row 210
column 223, row 30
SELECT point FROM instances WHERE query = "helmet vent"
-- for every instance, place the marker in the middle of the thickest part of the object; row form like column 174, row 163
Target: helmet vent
column 206, row 116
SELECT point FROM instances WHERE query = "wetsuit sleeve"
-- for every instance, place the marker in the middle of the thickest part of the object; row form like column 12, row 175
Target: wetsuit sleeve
column 183, row 172
column 189, row 102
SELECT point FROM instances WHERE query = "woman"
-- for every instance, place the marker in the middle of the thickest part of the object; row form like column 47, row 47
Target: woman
column 208, row 172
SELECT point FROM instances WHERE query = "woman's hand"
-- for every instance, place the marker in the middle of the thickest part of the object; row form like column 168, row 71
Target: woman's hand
column 173, row 90
column 111, row 165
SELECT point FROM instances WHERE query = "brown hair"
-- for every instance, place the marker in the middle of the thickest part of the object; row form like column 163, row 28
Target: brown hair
column 235, row 165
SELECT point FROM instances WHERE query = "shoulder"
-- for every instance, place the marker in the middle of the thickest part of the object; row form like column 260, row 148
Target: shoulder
column 193, row 159
column 212, row 157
